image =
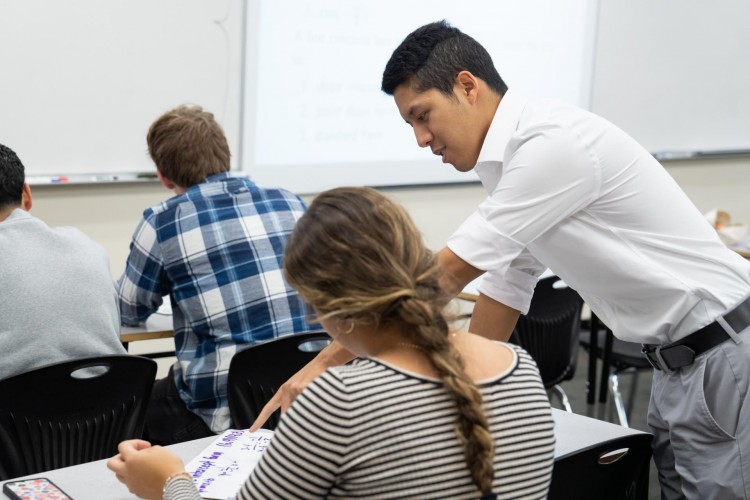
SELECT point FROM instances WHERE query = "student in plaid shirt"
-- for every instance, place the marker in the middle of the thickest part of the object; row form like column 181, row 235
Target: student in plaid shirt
column 215, row 249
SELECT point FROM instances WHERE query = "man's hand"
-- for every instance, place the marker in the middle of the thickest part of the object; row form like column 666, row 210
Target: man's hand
column 333, row 355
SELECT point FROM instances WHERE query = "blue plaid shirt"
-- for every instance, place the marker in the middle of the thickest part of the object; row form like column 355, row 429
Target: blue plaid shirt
column 216, row 250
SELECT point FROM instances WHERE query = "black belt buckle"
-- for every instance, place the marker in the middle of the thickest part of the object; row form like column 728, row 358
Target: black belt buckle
column 669, row 358
column 650, row 353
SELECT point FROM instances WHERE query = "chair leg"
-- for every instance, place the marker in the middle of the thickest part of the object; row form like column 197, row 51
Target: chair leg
column 563, row 397
column 633, row 389
column 614, row 387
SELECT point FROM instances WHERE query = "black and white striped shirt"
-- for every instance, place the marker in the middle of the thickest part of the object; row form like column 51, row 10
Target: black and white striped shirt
column 370, row 430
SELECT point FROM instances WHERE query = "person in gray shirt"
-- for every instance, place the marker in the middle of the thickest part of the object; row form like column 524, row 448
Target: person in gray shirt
column 58, row 298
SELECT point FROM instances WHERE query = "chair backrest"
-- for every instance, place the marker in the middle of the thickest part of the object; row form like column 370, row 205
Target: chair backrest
column 257, row 372
column 72, row 412
column 616, row 470
column 550, row 330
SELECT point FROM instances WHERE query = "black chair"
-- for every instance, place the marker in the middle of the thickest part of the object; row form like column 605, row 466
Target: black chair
column 618, row 357
column 615, row 470
column 257, row 372
column 550, row 331
column 625, row 358
column 72, row 412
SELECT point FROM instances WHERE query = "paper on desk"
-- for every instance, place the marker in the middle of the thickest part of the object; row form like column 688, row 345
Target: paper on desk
column 220, row 470
column 165, row 308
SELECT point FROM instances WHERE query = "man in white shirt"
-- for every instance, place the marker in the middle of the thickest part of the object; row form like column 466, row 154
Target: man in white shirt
column 570, row 191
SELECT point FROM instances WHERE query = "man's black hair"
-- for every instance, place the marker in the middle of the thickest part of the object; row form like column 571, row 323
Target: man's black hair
column 433, row 55
column 12, row 177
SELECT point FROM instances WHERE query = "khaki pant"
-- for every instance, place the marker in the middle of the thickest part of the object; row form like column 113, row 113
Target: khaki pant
column 700, row 417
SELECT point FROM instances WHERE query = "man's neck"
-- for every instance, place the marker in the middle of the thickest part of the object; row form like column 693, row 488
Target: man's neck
column 6, row 211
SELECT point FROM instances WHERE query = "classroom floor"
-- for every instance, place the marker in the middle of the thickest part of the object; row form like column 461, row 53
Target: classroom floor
column 576, row 391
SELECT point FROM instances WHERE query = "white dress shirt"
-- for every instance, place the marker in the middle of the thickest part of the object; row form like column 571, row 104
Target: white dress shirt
column 570, row 191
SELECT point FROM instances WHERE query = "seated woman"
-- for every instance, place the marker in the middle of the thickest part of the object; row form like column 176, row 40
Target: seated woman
column 422, row 412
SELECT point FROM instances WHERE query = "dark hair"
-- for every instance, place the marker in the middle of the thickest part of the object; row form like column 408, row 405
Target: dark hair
column 433, row 55
column 12, row 177
column 385, row 275
column 188, row 145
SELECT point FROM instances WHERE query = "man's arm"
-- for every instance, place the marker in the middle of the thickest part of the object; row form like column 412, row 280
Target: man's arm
column 457, row 273
column 490, row 318
column 141, row 287
column 493, row 319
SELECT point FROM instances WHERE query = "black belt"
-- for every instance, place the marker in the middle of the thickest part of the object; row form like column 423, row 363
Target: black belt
column 683, row 352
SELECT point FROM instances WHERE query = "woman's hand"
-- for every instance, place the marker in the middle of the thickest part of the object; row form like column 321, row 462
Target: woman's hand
column 144, row 468
column 333, row 355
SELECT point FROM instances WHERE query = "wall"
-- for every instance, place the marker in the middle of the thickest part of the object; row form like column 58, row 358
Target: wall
column 668, row 72
column 109, row 213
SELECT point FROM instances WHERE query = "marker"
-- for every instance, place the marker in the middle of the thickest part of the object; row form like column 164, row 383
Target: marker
column 59, row 179
column 674, row 155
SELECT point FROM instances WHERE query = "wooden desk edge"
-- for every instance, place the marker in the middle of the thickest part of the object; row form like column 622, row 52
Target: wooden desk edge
column 126, row 338
column 467, row 296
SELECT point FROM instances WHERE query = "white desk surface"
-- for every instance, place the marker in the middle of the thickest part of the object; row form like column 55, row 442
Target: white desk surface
column 93, row 481
column 156, row 326
column 155, row 323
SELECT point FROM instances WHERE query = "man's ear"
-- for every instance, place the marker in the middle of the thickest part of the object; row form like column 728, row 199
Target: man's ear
column 166, row 182
column 467, row 86
column 170, row 185
column 26, row 197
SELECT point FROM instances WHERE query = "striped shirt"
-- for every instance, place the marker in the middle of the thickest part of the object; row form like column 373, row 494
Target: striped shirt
column 216, row 250
column 370, row 430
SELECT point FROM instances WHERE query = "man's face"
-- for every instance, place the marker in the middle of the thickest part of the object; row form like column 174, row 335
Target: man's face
column 449, row 126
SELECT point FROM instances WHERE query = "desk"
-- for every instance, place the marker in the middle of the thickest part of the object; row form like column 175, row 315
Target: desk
column 157, row 326
column 93, row 481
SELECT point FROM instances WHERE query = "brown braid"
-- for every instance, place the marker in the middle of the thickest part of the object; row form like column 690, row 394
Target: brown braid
column 471, row 425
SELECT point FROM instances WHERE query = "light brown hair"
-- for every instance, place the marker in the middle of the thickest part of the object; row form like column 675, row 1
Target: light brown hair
column 356, row 255
column 187, row 145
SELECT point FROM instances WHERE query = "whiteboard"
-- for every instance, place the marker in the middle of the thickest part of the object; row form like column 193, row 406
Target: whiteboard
column 296, row 83
column 82, row 80
column 675, row 74
column 314, row 113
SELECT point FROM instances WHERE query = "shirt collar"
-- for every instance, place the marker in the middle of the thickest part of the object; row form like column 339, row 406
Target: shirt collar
column 217, row 177
column 207, row 181
column 504, row 123
column 17, row 214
